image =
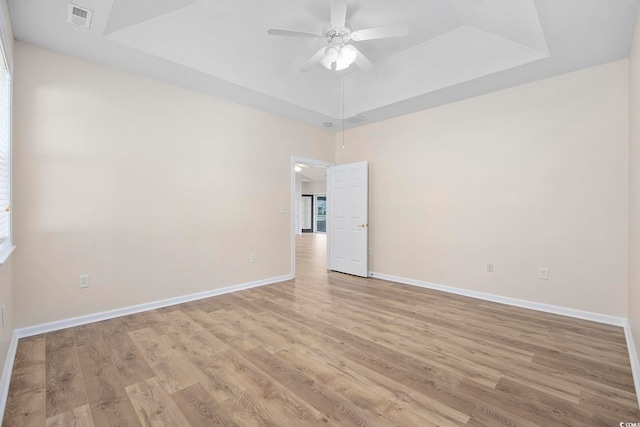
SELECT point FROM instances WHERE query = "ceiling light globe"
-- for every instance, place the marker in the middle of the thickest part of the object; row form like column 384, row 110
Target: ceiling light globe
column 325, row 64
column 341, row 64
column 349, row 54
column 331, row 53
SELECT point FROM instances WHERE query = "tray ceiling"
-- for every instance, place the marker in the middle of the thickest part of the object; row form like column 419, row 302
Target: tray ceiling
column 455, row 48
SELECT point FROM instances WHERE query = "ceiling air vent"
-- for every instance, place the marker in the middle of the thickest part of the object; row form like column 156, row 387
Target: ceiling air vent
column 358, row 118
column 79, row 16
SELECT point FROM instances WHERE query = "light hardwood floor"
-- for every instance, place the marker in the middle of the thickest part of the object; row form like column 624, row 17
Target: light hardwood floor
column 326, row 349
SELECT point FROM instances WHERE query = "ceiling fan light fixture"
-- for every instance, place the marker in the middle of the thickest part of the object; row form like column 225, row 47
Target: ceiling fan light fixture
column 331, row 54
column 342, row 56
column 341, row 64
column 338, row 55
column 346, row 58
column 349, row 54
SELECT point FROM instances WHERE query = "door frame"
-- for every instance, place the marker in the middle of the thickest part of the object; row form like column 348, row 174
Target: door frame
column 292, row 228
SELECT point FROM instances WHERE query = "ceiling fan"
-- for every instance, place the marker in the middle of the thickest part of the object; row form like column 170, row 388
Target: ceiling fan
column 339, row 54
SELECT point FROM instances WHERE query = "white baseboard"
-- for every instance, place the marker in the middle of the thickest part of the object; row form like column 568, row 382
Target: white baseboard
column 110, row 314
column 633, row 358
column 6, row 373
column 554, row 309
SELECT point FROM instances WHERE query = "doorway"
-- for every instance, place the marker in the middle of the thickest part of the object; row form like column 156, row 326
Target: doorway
column 314, row 170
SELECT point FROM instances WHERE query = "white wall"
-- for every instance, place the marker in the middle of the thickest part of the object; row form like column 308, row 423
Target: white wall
column 633, row 298
column 153, row 190
column 532, row 176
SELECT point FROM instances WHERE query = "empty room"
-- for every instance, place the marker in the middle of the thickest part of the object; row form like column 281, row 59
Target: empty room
column 320, row 212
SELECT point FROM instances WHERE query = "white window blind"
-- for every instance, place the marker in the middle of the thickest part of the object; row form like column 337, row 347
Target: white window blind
column 5, row 155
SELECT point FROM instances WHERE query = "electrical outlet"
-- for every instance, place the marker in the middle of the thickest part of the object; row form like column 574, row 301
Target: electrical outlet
column 543, row 273
column 370, row 251
column 83, row 281
column 489, row 268
column 253, row 258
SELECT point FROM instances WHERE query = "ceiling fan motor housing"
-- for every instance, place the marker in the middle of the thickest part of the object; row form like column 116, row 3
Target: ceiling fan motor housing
column 337, row 35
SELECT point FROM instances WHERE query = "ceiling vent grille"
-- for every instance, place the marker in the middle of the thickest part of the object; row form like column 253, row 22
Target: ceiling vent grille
column 79, row 16
column 358, row 118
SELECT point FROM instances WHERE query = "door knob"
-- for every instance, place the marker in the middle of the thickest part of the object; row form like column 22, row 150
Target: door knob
column 363, row 225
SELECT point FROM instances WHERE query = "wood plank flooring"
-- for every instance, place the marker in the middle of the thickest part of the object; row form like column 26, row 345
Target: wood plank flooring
column 326, row 349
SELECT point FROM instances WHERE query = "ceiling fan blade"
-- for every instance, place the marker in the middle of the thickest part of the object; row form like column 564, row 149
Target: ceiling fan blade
column 338, row 13
column 361, row 60
column 313, row 60
column 380, row 32
column 276, row 32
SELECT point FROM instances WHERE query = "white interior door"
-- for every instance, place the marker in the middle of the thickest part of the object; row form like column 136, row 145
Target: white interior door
column 347, row 205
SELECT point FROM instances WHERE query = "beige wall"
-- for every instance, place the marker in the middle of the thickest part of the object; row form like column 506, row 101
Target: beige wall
column 153, row 190
column 634, row 189
column 114, row 169
column 527, row 177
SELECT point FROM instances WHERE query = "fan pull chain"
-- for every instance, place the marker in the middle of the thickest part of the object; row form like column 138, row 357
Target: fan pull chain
column 343, row 111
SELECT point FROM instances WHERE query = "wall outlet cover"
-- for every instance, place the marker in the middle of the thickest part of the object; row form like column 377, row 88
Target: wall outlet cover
column 543, row 273
column 83, row 281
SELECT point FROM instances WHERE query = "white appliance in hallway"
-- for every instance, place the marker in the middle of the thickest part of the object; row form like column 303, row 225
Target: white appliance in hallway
column 306, row 213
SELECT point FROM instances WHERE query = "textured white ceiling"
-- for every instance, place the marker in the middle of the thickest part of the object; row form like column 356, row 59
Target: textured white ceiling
column 455, row 48
column 126, row 13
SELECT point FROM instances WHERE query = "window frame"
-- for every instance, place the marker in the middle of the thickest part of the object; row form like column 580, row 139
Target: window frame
column 7, row 247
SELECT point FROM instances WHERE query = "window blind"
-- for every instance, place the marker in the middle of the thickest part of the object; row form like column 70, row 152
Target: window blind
column 5, row 155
